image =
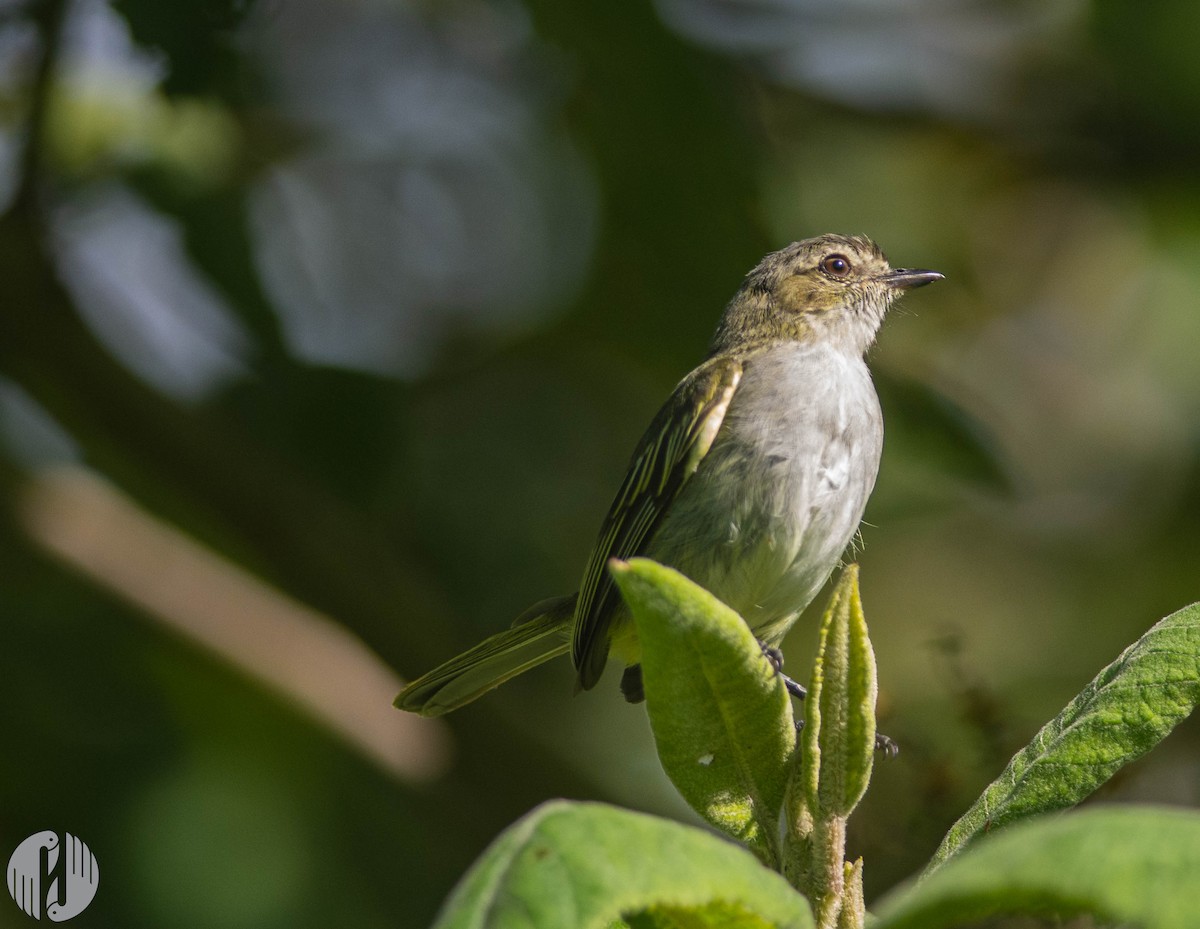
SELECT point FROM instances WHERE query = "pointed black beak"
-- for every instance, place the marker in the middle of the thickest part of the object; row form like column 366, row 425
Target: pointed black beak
column 908, row 278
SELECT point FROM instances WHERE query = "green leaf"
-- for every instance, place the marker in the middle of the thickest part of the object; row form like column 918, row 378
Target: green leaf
column 1130, row 866
column 839, row 733
column 718, row 915
column 588, row 865
column 1125, row 711
column 831, row 772
column 721, row 716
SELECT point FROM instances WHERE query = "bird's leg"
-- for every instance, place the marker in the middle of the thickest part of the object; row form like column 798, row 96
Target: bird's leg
column 773, row 655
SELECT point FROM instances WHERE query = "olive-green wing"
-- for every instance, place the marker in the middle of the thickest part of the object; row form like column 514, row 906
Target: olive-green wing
column 667, row 455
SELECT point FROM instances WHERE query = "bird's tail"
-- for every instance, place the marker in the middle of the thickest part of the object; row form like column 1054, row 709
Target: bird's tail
column 539, row 634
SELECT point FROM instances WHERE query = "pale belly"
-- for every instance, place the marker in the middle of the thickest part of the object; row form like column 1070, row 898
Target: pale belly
column 779, row 497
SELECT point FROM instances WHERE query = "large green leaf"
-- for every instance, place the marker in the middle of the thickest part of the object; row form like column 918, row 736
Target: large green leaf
column 1132, row 866
column 721, row 716
column 1125, row 711
column 588, row 865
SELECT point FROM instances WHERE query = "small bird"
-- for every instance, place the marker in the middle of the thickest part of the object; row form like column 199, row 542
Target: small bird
column 751, row 480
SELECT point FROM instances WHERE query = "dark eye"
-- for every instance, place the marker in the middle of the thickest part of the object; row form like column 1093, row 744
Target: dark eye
column 836, row 265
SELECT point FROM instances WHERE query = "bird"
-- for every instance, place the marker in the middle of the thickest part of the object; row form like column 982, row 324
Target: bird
column 751, row 480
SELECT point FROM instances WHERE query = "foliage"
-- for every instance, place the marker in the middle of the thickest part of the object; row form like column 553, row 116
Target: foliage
column 723, row 727
column 1132, row 866
column 582, row 864
column 830, row 773
column 729, row 756
column 1125, row 711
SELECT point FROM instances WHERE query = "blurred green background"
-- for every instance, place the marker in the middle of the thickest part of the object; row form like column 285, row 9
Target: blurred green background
column 327, row 326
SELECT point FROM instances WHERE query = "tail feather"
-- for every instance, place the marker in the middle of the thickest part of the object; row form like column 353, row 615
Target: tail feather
column 493, row 661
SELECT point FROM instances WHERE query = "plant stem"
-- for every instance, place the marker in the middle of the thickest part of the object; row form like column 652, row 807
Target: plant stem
column 828, row 874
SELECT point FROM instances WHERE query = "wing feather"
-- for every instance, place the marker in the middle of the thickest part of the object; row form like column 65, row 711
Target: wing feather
column 668, row 454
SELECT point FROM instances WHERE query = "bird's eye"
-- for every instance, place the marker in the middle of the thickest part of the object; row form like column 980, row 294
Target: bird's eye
column 836, row 265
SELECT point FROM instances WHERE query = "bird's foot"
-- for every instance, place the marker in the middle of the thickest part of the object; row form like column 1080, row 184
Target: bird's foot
column 883, row 743
column 775, row 658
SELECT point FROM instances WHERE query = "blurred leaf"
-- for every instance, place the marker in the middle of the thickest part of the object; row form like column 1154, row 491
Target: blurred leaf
column 1166, row 132
column 934, row 429
column 1129, row 866
column 721, row 716
column 217, row 238
column 569, row 864
column 196, row 38
column 666, row 260
column 90, row 130
column 1126, row 710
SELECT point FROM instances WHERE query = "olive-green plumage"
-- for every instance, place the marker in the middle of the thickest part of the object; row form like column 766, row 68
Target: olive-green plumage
column 751, row 479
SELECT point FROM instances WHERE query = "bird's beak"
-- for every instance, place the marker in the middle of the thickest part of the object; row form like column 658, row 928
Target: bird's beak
column 905, row 279
column 908, row 278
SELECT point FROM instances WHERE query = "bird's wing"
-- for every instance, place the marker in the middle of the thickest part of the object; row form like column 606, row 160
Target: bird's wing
column 667, row 455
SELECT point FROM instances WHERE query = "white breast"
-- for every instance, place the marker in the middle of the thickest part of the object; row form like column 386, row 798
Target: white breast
column 781, row 493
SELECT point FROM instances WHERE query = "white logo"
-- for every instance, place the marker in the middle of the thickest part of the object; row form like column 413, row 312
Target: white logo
column 59, row 879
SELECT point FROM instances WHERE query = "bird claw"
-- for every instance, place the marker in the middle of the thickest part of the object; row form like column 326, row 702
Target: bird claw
column 883, row 743
column 773, row 655
column 775, row 658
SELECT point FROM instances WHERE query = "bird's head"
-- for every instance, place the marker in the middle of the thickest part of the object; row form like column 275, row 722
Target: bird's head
column 832, row 287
